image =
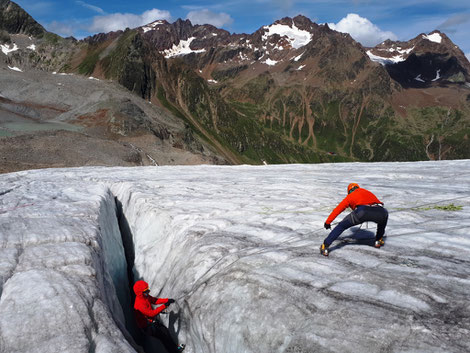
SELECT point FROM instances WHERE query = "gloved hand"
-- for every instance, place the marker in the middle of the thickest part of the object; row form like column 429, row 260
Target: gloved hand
column 170, row 301
column 327, row 225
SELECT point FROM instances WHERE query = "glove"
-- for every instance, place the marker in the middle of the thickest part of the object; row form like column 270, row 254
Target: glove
column 327, row 226
column 170, row 301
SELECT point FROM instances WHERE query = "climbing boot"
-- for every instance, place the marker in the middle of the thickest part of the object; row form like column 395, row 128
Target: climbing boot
column 379, row 243
column 324, row 250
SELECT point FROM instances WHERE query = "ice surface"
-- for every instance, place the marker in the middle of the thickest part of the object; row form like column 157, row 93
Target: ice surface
column 237, row 247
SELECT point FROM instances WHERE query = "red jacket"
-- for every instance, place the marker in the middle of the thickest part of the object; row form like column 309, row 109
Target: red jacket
column 144, row 313
column 358, row 197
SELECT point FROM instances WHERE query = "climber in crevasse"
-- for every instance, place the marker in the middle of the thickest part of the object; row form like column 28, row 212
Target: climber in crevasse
column 146, row 316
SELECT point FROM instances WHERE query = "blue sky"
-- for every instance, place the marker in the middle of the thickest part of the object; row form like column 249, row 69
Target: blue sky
column 368, row 21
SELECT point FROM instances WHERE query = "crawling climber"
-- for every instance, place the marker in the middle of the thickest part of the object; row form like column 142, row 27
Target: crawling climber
column 366, row 208
column 145, row 316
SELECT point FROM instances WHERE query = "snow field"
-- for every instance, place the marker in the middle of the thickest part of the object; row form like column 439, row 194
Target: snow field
column 237, row 247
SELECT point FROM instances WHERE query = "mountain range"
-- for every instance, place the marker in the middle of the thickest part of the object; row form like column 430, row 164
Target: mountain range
column 293, row 91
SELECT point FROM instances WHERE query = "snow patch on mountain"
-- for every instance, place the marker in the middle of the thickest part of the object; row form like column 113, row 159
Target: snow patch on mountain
column 31, row 47
column 418, row 78
column 438, row 75
column 151, row 26
column 297, row 58
column 435, row 37
column 295, row 36
column 401, row 51
column 183, row 48
column 243, row 56
column 270, row 62
column 385, row 60
column 14, row 68
column 6, row 48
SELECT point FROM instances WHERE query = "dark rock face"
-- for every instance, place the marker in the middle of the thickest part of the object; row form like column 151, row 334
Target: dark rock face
column 423, row 70
column 14, row 19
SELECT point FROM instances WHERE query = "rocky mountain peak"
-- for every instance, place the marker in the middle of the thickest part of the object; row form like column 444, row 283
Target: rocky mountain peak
column 14, row 20
column 424, row 60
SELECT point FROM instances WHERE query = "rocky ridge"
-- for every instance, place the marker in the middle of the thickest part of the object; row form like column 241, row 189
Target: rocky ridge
column 423, row 60
column 293, row 91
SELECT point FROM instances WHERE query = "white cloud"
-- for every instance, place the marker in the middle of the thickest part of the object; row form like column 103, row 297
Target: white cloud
column 362, row 30
column 117, row 21
column 91, row 7
column 206, row 16
column 60, row 28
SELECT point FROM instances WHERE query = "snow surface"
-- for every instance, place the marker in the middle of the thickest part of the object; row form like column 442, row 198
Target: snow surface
column 438, row 75
column 435, row 37
column 385, row 60
column 418, row 78
column 237, row 247
column 6, row 48
column 31, row 47
column 270, row 62
column 183, row 48
column 297, row 58
column 151, row 26
column 296, row 37
column 14, row 68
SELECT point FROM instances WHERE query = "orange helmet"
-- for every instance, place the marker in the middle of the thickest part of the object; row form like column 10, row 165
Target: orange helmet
column 352, row 187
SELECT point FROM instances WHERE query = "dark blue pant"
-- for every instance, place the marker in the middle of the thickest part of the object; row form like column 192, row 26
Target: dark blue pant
column 156, row 329
column 361, row 214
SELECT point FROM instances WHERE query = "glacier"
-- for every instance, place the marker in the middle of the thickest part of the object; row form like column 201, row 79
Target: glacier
column 237, row 247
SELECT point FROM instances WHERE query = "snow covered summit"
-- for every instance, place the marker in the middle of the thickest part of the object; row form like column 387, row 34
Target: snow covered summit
column 237, row 247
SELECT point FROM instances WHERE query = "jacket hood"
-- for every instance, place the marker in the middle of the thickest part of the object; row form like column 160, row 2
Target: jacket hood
column 140, row 287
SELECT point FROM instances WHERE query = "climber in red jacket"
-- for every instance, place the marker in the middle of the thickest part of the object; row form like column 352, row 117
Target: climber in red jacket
column 366, row 208
column 145, row 315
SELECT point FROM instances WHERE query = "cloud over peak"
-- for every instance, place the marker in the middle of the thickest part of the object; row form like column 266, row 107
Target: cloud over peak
column 119, row 21
column 206, row 16
column 362, row 30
